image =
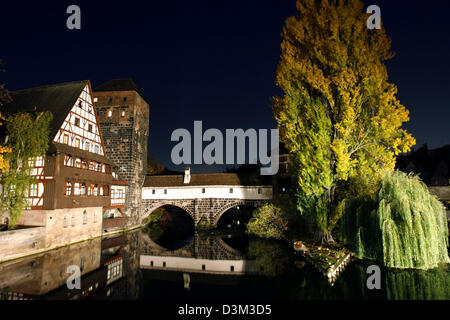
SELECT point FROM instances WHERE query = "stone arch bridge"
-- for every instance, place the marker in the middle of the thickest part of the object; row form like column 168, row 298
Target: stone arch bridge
column 204, row 195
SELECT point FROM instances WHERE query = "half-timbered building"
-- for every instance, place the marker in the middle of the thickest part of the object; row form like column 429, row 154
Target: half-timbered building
column 74, row 180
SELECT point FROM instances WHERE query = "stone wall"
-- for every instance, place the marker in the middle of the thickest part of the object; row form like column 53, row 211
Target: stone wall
column 50, row 229
column 20, row 242
column 124, row 124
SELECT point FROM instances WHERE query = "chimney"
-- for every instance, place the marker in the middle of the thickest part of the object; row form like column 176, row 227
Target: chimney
column 187, row 175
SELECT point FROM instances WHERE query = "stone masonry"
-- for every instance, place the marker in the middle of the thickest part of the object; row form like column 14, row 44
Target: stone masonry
column 212, row 209
column 124, row 123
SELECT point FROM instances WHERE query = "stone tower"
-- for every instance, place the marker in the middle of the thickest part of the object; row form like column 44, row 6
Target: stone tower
column 123, row 115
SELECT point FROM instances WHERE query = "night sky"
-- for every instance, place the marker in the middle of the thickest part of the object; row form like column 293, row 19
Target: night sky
column 213, row 61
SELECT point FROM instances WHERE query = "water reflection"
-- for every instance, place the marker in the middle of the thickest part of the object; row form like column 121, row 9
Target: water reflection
column 209, row 266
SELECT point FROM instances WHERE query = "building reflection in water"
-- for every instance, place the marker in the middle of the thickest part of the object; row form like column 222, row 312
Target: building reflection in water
column 106, row 267
column 111, row 268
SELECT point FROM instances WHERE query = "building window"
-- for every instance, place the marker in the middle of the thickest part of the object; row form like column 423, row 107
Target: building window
column 124, row 99
column 101, row 190
column 84, row 164
column 73, row 221
column 84, row 217
column 165, row 191
column 109, row 114
column 87, row 146
column 68, row 189
column 78, row 163
column 203, row 190
column 259, row 190
column 153, row 191
column 76, row 189
column 123, row 113
column 95, row 99
column 95, row 191
column 231, row 190
column 90, row 128
column 34, row 190
column 83, row 189
column 103, row 168
column 77, row 121
column 96, row 148
column 65, row 139
column 77, row 143
column 109, row 99
column 65, row 222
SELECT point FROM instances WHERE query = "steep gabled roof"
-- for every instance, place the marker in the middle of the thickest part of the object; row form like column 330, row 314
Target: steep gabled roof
column 58, row 99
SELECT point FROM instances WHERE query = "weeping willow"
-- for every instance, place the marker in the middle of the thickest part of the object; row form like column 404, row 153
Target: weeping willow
column 404, row 227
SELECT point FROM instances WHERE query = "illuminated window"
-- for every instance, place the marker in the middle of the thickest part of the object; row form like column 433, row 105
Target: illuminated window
column 34, row 190
column 84, row 164
column 203, row 190
column 123, row 113
column 83, row 189
column 65, row 139
column 78, row 163
column 77, row 143
column 95, row 191
column 109, row 114
column 95, row 99
column 68, row 189
column 76, row 189
column 101, row 191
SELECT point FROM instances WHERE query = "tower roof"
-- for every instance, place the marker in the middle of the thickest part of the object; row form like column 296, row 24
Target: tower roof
column 126, row 84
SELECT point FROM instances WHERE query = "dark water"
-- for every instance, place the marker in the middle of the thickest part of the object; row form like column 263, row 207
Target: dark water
column 211, row 266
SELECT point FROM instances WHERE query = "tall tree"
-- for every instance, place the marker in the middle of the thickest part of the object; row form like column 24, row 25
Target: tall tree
column 338, row 115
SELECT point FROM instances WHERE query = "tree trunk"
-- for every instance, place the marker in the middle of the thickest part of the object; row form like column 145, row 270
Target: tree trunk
column 323, row 238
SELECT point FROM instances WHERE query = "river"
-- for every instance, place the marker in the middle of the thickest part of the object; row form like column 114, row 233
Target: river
column 201, row 266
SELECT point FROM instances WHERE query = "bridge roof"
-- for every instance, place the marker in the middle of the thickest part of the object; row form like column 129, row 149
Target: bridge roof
column 209, row 179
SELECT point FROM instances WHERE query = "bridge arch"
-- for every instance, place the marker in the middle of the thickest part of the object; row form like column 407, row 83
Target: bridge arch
column 251, row 203
column 148, row 210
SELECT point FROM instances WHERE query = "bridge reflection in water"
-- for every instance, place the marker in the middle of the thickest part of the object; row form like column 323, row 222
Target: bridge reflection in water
column 206, row 254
